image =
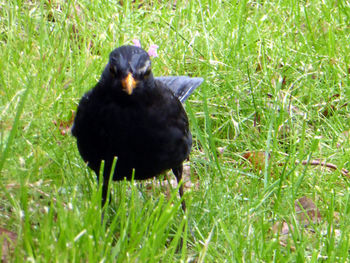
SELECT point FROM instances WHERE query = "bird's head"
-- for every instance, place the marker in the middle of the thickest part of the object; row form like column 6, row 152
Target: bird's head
column 130, row 68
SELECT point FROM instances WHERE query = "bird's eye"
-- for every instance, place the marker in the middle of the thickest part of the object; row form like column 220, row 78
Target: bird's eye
column 147, row 72
column 113, row 69
column 145, row 69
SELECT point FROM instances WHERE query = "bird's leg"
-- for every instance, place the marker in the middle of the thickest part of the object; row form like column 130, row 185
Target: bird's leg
column 178, row 174
column 105, row 185
column 105, row 171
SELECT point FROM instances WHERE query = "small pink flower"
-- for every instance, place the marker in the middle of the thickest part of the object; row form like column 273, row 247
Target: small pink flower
column 136, row 42
column 152, row 51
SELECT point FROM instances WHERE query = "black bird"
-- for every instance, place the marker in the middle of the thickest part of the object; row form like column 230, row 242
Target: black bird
column 135, row 117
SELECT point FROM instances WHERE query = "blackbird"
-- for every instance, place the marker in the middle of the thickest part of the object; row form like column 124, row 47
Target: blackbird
column 135, row 117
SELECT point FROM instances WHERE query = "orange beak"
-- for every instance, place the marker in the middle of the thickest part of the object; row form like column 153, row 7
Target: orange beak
column 129, row 83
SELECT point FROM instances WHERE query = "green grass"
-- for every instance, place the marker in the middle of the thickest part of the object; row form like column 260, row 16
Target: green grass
column 271, row 69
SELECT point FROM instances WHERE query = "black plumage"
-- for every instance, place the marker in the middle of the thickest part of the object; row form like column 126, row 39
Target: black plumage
column 135, row 117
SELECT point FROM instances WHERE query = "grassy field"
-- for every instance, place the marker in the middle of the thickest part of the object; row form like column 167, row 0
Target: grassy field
column 275, row 94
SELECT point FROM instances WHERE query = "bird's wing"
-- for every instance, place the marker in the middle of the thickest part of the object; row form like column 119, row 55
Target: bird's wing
column 181, row 86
